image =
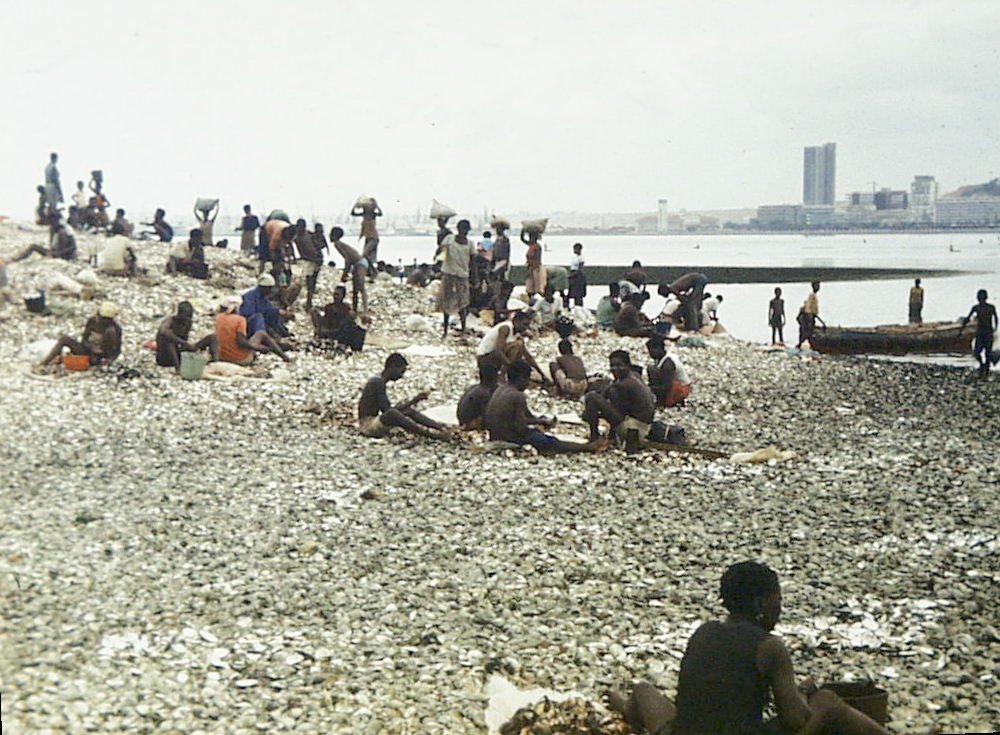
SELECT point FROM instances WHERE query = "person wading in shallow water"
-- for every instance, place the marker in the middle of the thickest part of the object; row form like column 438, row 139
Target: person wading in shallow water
column 732, row 667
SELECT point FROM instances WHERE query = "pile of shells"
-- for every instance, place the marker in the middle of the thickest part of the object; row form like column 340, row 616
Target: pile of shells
column 196, row 556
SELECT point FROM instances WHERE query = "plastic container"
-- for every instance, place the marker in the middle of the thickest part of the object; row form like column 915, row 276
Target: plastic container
column 864, row 696
column 77, row 363
column 193, row 365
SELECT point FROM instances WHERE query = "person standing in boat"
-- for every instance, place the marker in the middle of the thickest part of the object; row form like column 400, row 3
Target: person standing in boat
column 916, row 303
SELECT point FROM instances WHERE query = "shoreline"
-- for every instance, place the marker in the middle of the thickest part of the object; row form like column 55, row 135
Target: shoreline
column 196, row 556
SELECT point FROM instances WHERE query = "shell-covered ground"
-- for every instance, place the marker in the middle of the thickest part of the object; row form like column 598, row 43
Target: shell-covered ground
column 197, row 556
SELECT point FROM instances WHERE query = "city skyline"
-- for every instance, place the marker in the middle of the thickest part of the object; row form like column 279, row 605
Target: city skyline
column 513, row 108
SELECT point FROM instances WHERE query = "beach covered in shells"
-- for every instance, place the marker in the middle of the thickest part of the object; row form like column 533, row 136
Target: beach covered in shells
column 231, row 556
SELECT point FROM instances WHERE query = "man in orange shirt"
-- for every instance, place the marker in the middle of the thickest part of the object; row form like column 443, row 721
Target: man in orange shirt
column 234, row 345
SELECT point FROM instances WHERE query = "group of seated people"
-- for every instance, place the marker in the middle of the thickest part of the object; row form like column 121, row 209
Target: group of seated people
column 497, row 403
column 687, row 304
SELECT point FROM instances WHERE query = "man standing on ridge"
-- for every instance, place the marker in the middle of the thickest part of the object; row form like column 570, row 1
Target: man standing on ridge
column 53, row 190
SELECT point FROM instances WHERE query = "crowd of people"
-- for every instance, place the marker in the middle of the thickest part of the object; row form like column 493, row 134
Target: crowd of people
column 731, row 667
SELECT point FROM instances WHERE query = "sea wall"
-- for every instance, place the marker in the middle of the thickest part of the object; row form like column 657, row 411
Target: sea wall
column 603, row 274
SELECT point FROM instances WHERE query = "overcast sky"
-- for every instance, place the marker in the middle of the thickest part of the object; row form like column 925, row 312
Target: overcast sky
column 543, row 106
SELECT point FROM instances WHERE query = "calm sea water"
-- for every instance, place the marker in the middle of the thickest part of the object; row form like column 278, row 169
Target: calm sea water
column 744, row 308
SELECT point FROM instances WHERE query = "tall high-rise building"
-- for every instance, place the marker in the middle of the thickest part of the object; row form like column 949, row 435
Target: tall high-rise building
column 819, row 176
column 662, row 216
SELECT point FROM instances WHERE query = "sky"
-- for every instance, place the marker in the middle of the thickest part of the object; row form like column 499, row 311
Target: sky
column 540, row 106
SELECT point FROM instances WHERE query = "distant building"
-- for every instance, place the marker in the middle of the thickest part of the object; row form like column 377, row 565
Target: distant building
column 978, row 211
column 662, row 218
column 817, row 215
column 970, row 206
column 889, row 199
column 819, row 175
column 923, row 198
column 779, row 216
column 649, row 225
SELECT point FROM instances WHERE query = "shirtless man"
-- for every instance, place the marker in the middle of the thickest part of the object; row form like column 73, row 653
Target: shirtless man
column 986, row 324
column 568, row 371
column 172, row 338
column 368, row 211
column 377, row 416
column 627, row 404
column 509, row 420
column 120, row 225
column 279, row 236
column 160, row 227
column 668, row 376
column 63, row 245
column 472, row 404
column 206, row 221
column 101, row 340
column 630, row 321
column 355, row 268
column 502, row 344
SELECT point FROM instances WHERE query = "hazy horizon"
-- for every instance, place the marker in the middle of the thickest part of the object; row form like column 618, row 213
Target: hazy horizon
column 552, row 106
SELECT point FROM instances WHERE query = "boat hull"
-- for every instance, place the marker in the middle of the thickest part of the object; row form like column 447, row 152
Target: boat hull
column 894, row 339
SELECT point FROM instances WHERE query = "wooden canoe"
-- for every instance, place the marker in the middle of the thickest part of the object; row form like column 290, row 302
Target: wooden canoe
column 894, row 339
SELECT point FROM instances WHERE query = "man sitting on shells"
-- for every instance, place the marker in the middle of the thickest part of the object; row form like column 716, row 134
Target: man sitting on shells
column 377, row 416
column 101, row 340
column 668, row 376
column 509, row 420
column 627, row 404
column 568, row 371
column 172, row 338
column 472, row 404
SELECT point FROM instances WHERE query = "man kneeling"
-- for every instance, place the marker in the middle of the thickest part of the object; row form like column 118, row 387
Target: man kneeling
column 377, row 416
column 509, row 420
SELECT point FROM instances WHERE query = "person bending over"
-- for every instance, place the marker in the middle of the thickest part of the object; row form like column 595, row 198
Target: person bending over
column 355, row 268
column 568, row 371
column 472, row 404
column 508, row 419
column 172, row 338
column 101, row 340
column 627, row 404
column 730, row 670
column 377, row 416
column 502, row 344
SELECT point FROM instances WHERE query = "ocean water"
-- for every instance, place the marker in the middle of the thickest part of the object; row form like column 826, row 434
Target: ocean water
column 744, row 307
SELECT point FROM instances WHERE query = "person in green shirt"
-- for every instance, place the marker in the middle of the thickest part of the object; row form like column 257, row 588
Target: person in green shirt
column 607, row 307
